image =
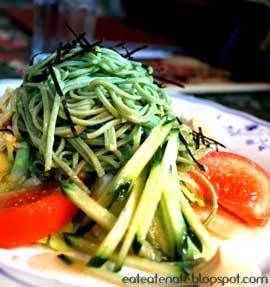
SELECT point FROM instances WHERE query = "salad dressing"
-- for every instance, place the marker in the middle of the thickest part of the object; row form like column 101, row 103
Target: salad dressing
column 49, row 262
column 224, row 264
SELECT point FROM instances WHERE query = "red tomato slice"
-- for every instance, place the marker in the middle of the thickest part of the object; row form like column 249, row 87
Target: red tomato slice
column 242, row 186
column 32, row 214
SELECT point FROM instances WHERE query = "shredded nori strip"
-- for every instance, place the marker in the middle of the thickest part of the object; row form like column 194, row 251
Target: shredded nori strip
column 60, row 93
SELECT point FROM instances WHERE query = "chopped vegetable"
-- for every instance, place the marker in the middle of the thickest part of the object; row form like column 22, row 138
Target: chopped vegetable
column 242, row 186
column 114, row 237
column 19, row 171
column 32, row 213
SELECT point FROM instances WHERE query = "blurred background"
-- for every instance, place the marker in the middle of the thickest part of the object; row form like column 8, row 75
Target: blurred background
column 218, row 49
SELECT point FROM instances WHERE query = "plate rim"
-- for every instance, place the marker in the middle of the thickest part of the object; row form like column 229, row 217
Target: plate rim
column 221, row 107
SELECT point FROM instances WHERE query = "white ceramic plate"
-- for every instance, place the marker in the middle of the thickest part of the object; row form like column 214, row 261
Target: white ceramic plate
column 239, row 131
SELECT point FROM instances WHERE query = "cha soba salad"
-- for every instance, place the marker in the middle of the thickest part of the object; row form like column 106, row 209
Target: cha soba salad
column 93, row 159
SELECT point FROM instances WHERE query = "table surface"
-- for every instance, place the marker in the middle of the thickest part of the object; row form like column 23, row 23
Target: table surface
column 15, row 43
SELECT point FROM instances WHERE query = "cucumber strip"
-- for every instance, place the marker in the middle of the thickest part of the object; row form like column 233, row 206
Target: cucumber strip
column 185, row 181
column 141, row 213
column 192, row 197
column 214, row 209
column 191, row 251
column 56, row 242
column 154, row 186
column 167, row 226
column 21, row 164
column 99, row 214
column 19, row 171
column 209, row 246
column 139, row 160
column 89, row 206
column 113, row 238
column 121, row 183
column 138, row 217
column 173, row 209
column 88, row 247
column 80, row 243
column 148, row 203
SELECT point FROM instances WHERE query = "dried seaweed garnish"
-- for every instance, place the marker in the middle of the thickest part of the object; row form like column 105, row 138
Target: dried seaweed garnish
column 69, row 46
column 158, row 80
column 183, row 140
column 160, row 84
column 123, row 46
column 41, row 77
column 199, row 138
column 145, row 66
column 83, row 51
column 81, row 39
column 129, row 53
column 32, row 59
column 201, row 135
column 63, row 99
column 169, row 81
column 63, row 50
column 58, row 53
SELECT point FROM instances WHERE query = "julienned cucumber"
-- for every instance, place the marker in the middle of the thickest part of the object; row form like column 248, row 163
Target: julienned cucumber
column 209, row 246
column 131, row 170
column 114, row 237
column 19, row 171
column 138, row 216
column 87, row 204
column 86, row 246
column 172, row 214
column 154, row 186
column 142, row 204
column 148, row 202
column 21, row 164
column 98, row 213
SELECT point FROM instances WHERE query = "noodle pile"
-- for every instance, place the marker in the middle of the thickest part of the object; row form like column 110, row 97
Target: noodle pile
column 113, row 103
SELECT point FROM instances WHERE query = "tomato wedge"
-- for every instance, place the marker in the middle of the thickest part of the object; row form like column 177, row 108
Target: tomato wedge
column 33, row 213
column 242, row 186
